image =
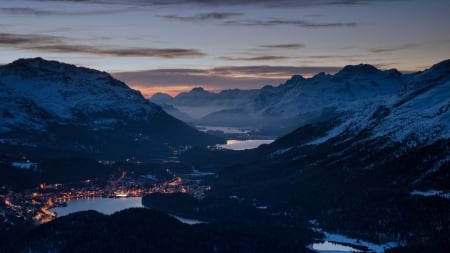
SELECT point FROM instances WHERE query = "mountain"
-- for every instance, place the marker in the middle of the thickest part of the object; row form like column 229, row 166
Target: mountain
column 199, row 103
column 379, row 129
column 377, row 169
column 52, row 106
column 374, row 167
column 298, row 101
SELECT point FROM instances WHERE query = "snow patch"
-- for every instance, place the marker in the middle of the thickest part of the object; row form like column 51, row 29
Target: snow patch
column 25, row 165
column 431, row 193
column 345, row 241
column 281, row 151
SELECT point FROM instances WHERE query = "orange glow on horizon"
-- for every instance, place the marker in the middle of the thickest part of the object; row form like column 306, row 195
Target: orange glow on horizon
column 171, row 90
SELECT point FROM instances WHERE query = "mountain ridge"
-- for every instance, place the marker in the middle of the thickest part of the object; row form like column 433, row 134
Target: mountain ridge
column 294, row 101
column 52, row 104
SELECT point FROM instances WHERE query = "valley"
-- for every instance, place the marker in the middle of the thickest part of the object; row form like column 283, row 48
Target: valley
column 38, row 204
column 359, row 158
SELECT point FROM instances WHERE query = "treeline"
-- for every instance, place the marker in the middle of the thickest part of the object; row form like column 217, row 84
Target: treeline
column 144, row 230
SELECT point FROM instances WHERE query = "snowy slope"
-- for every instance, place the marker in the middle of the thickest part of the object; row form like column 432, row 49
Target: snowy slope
column 63, row 89
column 199, row 103
column 418, row 114
column 48, row 103
column 355, row 94
column 296, row 102
column 342, row 91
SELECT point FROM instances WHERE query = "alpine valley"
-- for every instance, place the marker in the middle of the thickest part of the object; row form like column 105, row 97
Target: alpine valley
column 362, row 161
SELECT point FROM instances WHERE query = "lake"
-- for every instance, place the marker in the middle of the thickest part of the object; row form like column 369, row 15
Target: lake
column 108, row 206
column 103, row 205
column 327, row 246
column 245, row 144
column 225, row 130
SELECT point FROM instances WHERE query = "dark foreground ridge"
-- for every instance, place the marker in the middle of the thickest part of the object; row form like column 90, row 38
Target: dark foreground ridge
column 144, row 230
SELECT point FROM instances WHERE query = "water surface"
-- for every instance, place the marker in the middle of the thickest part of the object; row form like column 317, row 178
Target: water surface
column 327, row 246
column 108, row 206
column 103, row 205
column 246, row 144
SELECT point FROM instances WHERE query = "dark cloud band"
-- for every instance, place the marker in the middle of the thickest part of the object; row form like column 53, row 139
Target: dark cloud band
column 43, row 12
column 267, row 3
column 203, row 16
column 284, row 46
column 257, row 58
column 392, row 49
column 294, row 22
column 56, row 44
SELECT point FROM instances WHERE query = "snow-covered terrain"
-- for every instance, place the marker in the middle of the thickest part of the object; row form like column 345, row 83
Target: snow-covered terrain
column 361, row 96
column 51, row 103
column 62, row 90
column 418, row 114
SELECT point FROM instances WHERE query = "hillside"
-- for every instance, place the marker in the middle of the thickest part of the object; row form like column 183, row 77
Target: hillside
column 51, row 107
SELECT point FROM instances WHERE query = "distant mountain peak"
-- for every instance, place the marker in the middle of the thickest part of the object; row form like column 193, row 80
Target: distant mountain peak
column 30, row 68
column 442, row 67
column 161, row 98
column 358, row 69
column 295, row 79
column 160, row 95
column 199, row 90
column 320, row 75
column 39, row 63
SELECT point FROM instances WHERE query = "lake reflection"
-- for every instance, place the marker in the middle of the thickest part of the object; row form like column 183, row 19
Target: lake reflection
column 108, row 206
column 241, row 145
column 327, row 246
column 103, row 205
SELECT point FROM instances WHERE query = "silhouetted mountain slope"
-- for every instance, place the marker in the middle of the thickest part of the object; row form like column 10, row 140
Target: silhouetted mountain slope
column 52, row 105
column 144, row 230
column 378, row 172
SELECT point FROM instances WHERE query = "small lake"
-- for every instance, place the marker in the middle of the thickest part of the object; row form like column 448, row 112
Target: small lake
column 327, row 246
column 103, row 205
column 225, row 130
column 108, row 206
column 246, row 144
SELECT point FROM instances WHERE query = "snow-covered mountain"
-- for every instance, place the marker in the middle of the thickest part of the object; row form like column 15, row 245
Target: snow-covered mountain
column 199, row 103
column 418, row 114
column 51, row 104
column 402, row 138
column 377, row 169
column 296, row 102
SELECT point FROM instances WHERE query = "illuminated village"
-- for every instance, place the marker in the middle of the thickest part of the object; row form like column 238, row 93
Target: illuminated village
column 36, row 204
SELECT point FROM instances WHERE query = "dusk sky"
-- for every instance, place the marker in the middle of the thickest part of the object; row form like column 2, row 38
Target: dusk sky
column 175, row 45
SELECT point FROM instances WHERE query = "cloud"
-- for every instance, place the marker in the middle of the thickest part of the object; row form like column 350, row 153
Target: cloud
column 42, row 12
column 294, row 22
column 225, row 77
column 27, row 39
column 348, row 57
column 392, row 49
column 256, row 58
column 222, row 3
column 284, row 46
column 27, row 11
column 268, row 22
column 203, row 16
column 267, row 71
column 57, row 44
